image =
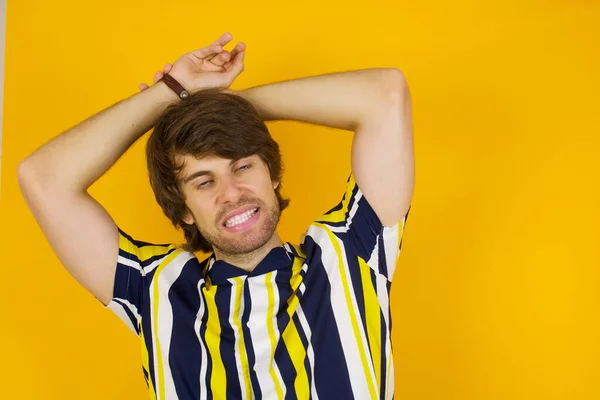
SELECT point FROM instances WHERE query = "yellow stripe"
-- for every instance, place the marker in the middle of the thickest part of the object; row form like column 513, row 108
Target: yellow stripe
column 373, row 318
column 143, row 253
column 271, row 331
column 291, row 337
column 205, row 270
column 295, row 282
column 146, row 365
column 239, row 285
column 340, row 215
column 218, row 380
column 156, row 293
column 351, row 310
column 297, row 352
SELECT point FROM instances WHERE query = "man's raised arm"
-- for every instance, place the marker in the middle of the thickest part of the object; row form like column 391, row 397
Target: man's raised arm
column 55, row 178
column 376, row 105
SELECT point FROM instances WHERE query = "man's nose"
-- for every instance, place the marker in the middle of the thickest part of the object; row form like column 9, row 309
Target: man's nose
column 229, row 191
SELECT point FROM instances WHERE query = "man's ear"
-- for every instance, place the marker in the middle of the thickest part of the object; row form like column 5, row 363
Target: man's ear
column 189, row 218
column 275, row 184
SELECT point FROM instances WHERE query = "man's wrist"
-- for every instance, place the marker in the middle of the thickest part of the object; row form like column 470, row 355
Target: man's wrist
column 176, row 86
column 167, row 93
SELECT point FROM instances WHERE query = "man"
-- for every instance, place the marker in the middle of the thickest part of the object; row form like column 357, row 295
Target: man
column 258, row 318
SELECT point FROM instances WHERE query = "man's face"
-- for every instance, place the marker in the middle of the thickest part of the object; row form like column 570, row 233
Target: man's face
column 232, row 202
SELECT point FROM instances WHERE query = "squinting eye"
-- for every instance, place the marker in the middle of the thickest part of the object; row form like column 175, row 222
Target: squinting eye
column 244, row 167
column 204, row 184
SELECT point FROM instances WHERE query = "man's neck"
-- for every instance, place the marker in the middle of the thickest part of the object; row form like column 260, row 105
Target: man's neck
column 249, row 261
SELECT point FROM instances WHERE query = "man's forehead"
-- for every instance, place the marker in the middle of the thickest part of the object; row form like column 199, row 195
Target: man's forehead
column 188, row 158
column 190, row 163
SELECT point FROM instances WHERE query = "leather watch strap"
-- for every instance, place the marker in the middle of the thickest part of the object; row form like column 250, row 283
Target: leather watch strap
column 175, row 86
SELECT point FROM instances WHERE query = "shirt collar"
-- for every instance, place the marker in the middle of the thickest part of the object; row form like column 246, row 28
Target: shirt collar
column 278, row 258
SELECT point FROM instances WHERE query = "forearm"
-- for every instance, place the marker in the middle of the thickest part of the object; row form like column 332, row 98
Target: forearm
column 341, row 100
column 78, row 157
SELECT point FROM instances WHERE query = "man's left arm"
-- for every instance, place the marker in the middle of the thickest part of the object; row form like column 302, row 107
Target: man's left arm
column 376, row 105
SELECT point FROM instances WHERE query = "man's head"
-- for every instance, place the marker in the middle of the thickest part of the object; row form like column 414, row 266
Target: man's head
column 210, row 159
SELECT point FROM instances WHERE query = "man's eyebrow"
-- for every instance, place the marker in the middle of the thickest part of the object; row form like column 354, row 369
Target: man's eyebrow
column 202, row 173
column 195, row 175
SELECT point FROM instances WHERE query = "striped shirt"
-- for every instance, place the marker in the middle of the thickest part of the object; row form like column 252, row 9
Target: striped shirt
column 310, row 321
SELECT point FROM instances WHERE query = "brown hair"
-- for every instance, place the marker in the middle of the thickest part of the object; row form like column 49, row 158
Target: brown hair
column 208, row 122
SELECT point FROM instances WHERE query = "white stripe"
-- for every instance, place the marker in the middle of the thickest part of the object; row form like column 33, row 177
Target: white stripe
column 258, row 325
column 289, row 249
column 351, row 214
column 197, row 327
column 236, row 334
column 341, row 314
column 119, row 310
column 383, row 298
column 390, row 378
column 130, row 263
column 276, row 307
column 136, row 265
column 164, row 325
column 391, row 251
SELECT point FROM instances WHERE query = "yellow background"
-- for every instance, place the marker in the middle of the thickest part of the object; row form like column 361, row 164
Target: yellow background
column 496, row 295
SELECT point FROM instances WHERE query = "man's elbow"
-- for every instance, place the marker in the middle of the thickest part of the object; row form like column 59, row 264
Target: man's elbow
column 395, row 84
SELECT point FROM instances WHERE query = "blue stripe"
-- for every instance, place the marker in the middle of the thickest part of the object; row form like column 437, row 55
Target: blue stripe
column 147, row 328
column 185, row 303
column 227, row 344
column 282, row 356
column 130, row 315
column 129, row 285
column 203, row 326
column 331, row 376
column 139, row 243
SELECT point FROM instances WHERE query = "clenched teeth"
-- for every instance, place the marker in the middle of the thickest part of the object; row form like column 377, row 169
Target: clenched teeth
column 241, row 218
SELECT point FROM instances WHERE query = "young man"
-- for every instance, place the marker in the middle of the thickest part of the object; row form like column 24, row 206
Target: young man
column 258, row 318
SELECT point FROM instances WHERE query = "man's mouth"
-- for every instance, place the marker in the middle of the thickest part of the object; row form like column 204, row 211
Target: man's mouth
column 240, row 218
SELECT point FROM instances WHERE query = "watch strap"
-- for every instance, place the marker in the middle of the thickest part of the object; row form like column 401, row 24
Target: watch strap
column 175, row 86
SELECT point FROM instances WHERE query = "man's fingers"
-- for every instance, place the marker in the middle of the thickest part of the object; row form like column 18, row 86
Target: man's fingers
column 167, row 68
column 237, row 49
column 224, row 39
column 221, row 58
column 143, row 87
column 207, row 51
column 158, row 76
column 236, row 66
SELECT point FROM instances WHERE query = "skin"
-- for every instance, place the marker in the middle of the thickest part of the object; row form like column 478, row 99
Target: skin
column 374, row 104
column 224, row 189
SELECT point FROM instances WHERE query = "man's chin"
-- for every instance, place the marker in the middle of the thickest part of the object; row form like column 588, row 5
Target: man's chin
column 243, row 244
column 246, row 241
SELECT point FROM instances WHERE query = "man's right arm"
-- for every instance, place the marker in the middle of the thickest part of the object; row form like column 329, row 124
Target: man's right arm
column 55, row 178
column 54, row 181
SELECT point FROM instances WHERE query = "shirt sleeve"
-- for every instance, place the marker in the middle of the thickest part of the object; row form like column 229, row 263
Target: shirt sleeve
column 136, row 263
column 355, row 221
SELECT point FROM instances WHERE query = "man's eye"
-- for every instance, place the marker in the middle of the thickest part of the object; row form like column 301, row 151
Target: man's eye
column 204, row 184
column 244, row 167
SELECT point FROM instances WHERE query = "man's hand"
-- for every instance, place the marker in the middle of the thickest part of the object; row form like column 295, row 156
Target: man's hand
column 208, row 67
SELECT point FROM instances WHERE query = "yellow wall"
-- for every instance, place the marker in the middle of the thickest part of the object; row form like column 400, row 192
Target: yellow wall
column 496, row 295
